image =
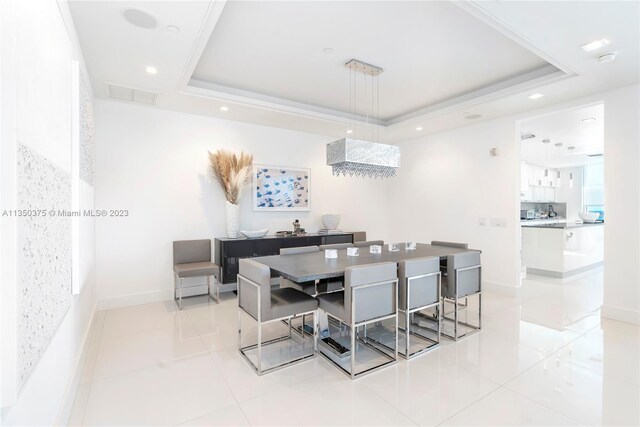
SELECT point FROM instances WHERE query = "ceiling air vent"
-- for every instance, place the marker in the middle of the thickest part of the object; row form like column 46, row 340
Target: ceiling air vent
column 595, row 155
column 123, row 93
column 528, row 135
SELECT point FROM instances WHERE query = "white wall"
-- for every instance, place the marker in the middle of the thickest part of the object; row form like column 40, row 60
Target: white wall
column 448, row 181
column 622, row 204
column 37, row 49
column 154, row 163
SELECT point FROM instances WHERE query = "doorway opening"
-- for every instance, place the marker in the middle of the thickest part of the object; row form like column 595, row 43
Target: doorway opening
column 562, row 200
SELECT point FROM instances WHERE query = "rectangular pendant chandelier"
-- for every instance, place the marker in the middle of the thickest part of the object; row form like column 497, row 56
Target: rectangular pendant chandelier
column 365, row 159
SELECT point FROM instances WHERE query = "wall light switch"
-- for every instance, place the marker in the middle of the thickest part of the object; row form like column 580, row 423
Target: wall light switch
column 482, row 221
column 498, row 222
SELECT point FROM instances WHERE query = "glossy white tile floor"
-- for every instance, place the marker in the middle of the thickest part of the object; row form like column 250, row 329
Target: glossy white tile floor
column 544, row 358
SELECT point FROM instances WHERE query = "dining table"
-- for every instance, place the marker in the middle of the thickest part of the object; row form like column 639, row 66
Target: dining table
column 311, row 266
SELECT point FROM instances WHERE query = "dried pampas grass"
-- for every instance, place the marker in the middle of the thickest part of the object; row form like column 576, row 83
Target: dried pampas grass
column 232, row 172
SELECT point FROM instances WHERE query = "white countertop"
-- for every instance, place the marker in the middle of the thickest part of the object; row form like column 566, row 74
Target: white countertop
column 542, row 221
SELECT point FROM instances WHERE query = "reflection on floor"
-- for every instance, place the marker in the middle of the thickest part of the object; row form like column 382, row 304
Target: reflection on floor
column 544, row 358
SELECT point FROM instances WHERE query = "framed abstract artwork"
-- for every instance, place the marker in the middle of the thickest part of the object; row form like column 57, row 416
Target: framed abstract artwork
column 280, row 188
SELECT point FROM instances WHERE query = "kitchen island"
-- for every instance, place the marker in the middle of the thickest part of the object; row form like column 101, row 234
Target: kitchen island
column 562, row 249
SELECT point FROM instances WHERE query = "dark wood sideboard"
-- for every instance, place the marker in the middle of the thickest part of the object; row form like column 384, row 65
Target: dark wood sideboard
column 229, row 251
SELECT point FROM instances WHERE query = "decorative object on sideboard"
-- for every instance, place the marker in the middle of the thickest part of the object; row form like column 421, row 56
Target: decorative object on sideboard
column 254, row 234
column 589, row 216
column 233, row 172
column 279, row 188
column 297, row 230
column 362, row 155
column 352, row 251
column 330, row 221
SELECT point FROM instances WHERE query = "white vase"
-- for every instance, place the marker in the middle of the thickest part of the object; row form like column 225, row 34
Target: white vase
column 330, row 221
column 233, row 222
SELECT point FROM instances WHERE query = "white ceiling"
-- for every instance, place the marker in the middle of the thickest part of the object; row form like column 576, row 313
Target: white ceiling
column 566, row 128
column 265, row 61
column 278, row 51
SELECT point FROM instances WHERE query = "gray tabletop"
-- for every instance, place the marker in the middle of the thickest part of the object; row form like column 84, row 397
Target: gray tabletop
column 314, row 265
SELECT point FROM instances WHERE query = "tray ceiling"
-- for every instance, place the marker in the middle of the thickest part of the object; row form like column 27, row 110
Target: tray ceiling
column 445, row 62
column 431, row 52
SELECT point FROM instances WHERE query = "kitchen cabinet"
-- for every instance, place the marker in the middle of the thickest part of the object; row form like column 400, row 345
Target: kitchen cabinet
column 562, row 250
column 537, row 187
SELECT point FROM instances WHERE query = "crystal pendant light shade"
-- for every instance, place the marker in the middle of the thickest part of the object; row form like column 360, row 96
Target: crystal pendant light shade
column 362, row 158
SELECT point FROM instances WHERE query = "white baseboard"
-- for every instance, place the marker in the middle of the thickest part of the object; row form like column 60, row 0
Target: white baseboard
column 501, row 288
column 72, row 389
column 620, row 314
column 134, row 299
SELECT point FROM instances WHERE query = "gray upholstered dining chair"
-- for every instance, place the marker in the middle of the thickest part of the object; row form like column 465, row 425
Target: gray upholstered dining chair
column 299, row 250
column 370, row 297
column 192, row 258
column 463, row 279
column 419, row 282
column 368, row 243
column 259, row 301
column 450, row 244
column 336, row 246
column 443, row 263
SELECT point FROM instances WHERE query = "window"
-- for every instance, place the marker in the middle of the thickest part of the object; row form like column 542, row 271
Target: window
column 593, row 191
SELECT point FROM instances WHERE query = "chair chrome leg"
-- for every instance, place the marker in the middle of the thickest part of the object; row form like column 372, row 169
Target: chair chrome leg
column 180, row 300
column 260, row 347
column 407, row 333
column 175, row 288
column 480, row 310
column 239, row 320
column 354, row 331
column 455, row 318
column 315, row 331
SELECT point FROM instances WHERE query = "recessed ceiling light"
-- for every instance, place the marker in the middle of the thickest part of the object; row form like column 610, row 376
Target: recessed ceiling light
column 607, row 57
column 596, row 44
column 589, row 120
column 419, row 128
column 224, row 108
column 172, row 28
column 536, row 96
column 571, row 147
column 546, row 141
column 151, row 70
column 473, row 116
column 349, row 131
column 327, row 50
column 558, row 144
column 140, row 18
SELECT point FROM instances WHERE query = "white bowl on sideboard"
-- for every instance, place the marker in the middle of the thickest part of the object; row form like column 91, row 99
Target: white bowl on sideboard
column 254, row 234
column 330, row 221
column 589, row 216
